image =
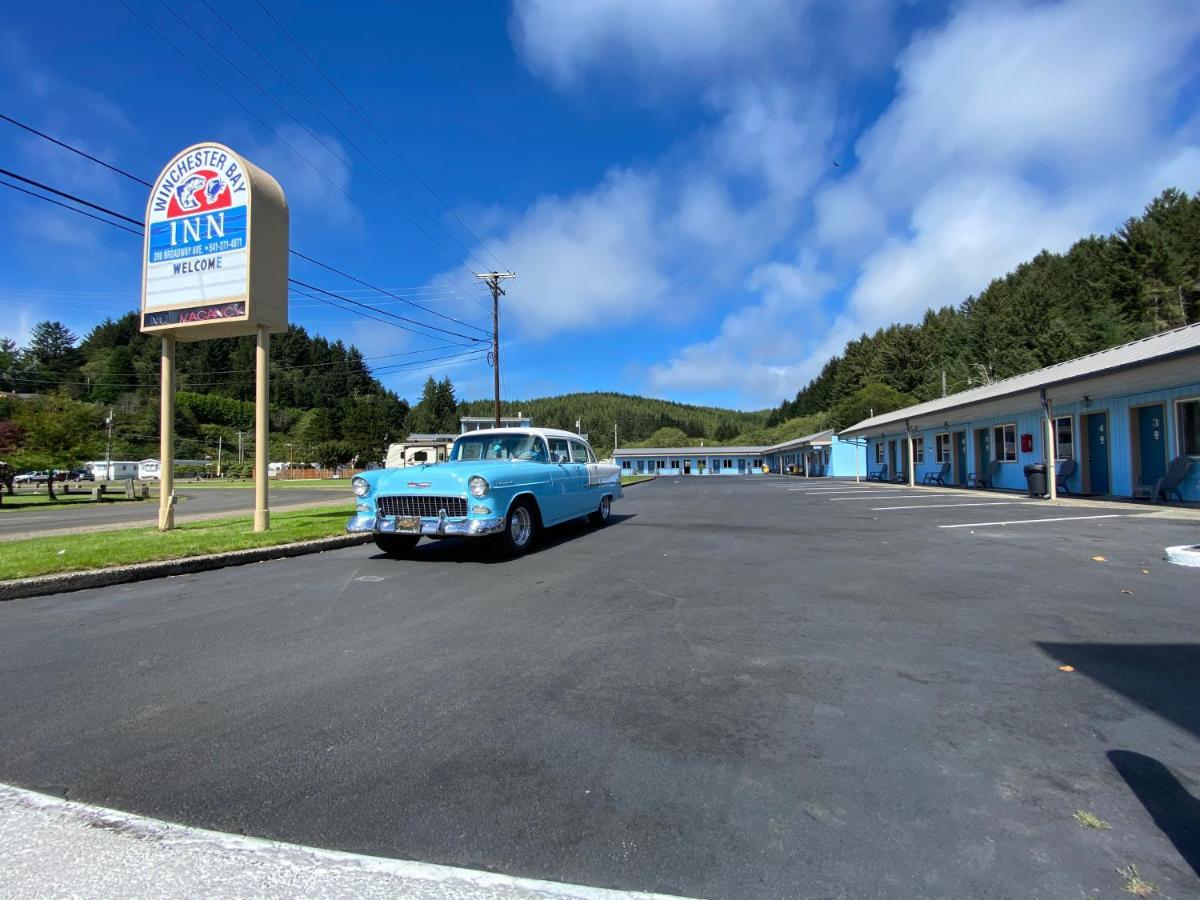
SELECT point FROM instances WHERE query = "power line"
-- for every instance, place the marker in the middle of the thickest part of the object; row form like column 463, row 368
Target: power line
column 17, row 187
column 141, row 181
column 267, row 128
column 382, row 291
column 374, row 130
column 66, row 146
column 125, row 218
column 315, row 108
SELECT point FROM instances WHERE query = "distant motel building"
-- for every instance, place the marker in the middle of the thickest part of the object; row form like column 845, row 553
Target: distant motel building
column 1124, row 422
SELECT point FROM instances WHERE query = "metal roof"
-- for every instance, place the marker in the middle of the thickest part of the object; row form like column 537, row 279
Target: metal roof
column 817, row 437
column 1156, row 348
column 687, row 451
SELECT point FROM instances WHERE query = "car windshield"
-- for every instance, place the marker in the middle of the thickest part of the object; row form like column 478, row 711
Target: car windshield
column 500, row 446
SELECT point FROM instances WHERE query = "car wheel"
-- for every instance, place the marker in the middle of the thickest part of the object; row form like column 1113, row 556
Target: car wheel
column 397, row 544
column 603, row 513
column 520, row 529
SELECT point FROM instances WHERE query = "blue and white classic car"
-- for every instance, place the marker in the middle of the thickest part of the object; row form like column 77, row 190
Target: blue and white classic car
column 504, row 482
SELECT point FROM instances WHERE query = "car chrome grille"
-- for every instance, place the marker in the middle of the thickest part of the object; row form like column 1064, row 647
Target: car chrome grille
column 420, row 505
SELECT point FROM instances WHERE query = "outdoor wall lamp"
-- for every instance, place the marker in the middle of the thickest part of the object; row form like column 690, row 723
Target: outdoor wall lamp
column 1087, row 402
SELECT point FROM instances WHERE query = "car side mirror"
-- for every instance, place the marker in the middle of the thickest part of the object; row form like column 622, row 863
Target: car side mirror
column 559, row 457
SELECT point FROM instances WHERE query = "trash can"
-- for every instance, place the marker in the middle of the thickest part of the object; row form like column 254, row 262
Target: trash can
column 1035, row 479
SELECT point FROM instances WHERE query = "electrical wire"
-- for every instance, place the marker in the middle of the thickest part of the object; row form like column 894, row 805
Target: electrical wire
column 115, row 214
column 199, row 68
column 297, row 253
column 375, row 131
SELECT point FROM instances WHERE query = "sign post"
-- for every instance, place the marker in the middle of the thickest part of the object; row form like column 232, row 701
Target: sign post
column 214, row 265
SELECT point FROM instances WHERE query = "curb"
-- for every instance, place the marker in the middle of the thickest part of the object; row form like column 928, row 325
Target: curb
column 42, row 585
column 1184, row 555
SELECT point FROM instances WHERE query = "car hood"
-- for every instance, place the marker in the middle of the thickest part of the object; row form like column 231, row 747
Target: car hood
column 450, row 477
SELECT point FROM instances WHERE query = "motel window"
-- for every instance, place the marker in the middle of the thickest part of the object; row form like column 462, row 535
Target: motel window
column 1004, row 443
column 918, row 450
column 1064, row 438
column 942, row 447
column 660, row 464
column 624, row 464
column 1187, row 414
column 757, row 463
column 879, row 453
column 729, row 463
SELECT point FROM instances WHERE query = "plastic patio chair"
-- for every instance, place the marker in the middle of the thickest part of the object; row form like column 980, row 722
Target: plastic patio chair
column 1170, row 483
column 938, row 477
column 1065, row 471
column 984, row 479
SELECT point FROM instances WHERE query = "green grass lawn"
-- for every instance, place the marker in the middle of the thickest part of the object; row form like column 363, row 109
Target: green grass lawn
column 634, row 479
column 42, row 501
column 103, row 549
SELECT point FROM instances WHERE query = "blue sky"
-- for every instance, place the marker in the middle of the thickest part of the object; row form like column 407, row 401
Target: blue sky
column 703, row 199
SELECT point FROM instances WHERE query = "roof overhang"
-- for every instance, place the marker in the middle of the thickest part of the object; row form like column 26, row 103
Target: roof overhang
column 1133, row 378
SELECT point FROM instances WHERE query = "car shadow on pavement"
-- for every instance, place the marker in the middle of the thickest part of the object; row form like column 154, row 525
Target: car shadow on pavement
column 1162, row 679
column 1174, row 810
column 476, row 550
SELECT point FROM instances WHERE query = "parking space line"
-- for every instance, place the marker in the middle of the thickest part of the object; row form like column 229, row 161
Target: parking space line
column 950, row 505
column 881, row 494
column 1039, row 521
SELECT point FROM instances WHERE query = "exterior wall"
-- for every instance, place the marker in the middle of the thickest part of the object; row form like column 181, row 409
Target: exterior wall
column 674, row 465
column 842, row 458
column 1120, row 441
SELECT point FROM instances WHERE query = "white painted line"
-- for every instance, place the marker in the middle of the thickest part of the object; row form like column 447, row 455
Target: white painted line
column 1039, row 521
column 949, row 505
column 134, row 856
column 878, row 496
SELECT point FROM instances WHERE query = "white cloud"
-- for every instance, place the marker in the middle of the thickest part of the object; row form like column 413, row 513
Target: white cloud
column 692, row 39
column 755, row 352
column 314, row 178
column 585, row 260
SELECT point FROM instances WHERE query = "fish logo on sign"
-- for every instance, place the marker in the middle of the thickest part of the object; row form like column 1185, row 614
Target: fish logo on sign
column 204, row 191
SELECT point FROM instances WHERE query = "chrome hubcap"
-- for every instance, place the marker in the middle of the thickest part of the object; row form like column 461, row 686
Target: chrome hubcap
column 521, row 526
column 605, row 508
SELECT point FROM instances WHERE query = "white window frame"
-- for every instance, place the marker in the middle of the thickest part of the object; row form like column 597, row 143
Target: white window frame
column 943, row 450
column 998, row 446
column 626, row 464
column 1179, row 448
column 1070, row 420
column 879, row 453
column 918, row 445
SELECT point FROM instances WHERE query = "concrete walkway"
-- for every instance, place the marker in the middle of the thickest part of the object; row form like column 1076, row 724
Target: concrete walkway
column 56, row 848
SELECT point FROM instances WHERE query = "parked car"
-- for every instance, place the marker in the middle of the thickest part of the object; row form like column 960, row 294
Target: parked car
column 31, row 478
column 80, row 475
column 501, row 482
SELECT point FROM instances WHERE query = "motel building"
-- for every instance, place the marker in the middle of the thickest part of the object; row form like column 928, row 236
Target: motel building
column 1111, row 424
column 815, row 455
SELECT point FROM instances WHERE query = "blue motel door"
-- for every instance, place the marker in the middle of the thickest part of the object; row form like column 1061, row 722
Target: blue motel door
column 1152, row 445
column 1098, row 452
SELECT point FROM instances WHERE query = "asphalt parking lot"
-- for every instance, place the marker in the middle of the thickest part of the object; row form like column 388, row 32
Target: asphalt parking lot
column 740, row 688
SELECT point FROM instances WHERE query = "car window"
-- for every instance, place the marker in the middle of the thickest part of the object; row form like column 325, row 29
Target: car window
column 578, row 452
column 559, row 445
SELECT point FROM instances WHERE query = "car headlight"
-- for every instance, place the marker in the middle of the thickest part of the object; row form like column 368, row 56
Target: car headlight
column 361, row 486
column 478, row 486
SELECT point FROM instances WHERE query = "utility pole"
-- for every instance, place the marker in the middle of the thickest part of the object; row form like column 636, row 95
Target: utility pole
column 241, row 458
column 220, row 438
column 943, row 382
column 614, row 435
column 492, row 280
column 108, row 449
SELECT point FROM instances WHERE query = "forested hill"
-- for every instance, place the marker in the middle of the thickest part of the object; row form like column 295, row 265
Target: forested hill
column 325, row 403
column 1104, row 291
column 637, row 418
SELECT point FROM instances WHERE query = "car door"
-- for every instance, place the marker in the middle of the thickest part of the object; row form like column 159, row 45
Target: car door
column 581, row 496
column 558, row 505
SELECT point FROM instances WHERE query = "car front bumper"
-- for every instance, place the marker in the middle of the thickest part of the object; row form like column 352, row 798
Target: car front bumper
column 431, row 526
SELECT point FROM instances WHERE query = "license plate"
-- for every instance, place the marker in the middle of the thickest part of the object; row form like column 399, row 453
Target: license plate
column 408, row 523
